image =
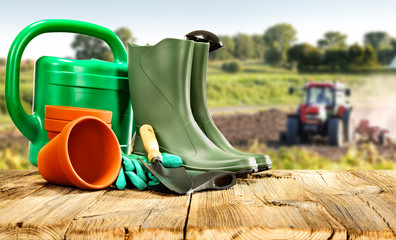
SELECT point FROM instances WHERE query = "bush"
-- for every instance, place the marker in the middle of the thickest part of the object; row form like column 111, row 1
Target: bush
column 232, row 67
column 305, row 55
column 336, row 59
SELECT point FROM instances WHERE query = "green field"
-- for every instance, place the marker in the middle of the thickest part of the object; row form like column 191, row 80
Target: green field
column 257, row 85
column 260, row 84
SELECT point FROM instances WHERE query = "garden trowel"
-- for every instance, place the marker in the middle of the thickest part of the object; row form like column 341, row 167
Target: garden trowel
column 176, row 179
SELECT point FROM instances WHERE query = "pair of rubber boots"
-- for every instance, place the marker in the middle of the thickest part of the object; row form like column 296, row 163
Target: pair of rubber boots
column 167, row 84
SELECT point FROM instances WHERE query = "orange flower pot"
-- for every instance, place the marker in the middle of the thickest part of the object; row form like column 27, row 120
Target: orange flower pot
column 71, row 113
column 52, row 134
column 85, row 154
column 55, row 126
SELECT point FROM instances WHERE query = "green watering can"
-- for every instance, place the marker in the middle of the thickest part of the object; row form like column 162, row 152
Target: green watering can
column 65, row 82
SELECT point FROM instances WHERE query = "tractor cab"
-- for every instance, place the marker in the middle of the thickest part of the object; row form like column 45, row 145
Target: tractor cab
column 323, row 102
column 322, row 94
column 323, row 99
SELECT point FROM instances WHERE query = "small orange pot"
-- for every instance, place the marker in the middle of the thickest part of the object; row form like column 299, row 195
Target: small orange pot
column 52, row 134
column 57, row 117
column 85, row 154
column 54, row 126
column 71, row 113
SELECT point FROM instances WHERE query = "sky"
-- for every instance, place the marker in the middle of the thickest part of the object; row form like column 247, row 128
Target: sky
column 150, row 21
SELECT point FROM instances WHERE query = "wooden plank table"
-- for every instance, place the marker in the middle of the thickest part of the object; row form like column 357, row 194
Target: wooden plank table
column 272, row 205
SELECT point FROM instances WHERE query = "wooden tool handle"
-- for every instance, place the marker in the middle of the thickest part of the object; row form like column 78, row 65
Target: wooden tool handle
column 150, row 143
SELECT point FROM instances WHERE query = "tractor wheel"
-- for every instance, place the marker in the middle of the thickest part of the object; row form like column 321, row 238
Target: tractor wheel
column 382, row 139
column 292, row 131
column 335, row 132
column 349, row 126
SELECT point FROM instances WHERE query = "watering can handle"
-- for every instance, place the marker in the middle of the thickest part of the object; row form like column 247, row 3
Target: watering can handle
column 29, row 125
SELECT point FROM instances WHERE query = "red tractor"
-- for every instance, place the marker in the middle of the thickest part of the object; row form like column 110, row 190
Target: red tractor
column 325, row 112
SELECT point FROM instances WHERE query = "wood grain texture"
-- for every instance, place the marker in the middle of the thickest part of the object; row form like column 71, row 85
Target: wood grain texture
column 297, row 205
column 132, row 214
column 46, row 212
column 271, row 205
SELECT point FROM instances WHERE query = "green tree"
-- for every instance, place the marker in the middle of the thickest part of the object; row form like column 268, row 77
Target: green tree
column 385, row 55
column 359, row 56
column 278, row 40
column 305, row 55
column 226, row 52
column 355, row 55
column 370, row 57
column 259, row 46
column 87, row 47
column 377, row 40
column 125, row 35
column 393, row 44
column 333, row 39
column 244, row 46
column 335, row 59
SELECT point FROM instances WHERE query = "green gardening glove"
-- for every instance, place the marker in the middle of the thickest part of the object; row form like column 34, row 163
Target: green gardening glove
column 133, row 172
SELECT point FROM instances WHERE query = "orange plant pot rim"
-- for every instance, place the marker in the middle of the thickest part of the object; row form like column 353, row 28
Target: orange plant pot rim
column 67, row 166
column 71, row 113
column 55, row 125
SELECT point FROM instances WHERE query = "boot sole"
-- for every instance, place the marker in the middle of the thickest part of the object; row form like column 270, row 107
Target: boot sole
column 247, row 172
column 265, row 168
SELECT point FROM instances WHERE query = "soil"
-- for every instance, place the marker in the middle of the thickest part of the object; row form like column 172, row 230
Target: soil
column 267, row 126
column 10, row 137
column 240, row 129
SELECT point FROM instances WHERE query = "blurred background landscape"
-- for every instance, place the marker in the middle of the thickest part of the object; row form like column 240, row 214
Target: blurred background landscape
column 248, row 79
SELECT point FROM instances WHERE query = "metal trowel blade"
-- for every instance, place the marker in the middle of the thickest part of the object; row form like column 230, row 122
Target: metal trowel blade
column 176, row 179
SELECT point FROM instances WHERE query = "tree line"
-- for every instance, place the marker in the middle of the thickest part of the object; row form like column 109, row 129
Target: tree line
column 87, row 47
column 277, row 46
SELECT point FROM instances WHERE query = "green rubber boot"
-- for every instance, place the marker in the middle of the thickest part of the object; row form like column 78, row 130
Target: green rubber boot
column 159, row 82
column 201, row 111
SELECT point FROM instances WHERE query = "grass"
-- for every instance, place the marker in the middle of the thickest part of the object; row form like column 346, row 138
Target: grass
column 5, row 119
column 13, row 152
column 260, row 84
column 25, row 76
column 366, row 158
column 25, row 90
column 11, row 159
